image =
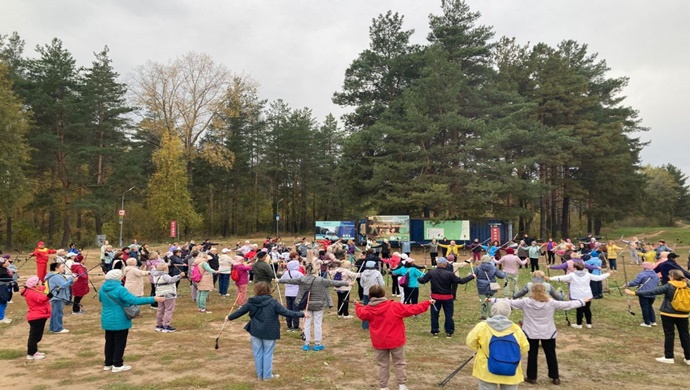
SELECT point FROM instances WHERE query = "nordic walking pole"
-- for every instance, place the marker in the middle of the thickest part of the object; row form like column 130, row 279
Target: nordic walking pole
column 347, row 296
column 472, row 269
column 627, row 297
column 454, row 373
column 226, row 321
column 276, row 276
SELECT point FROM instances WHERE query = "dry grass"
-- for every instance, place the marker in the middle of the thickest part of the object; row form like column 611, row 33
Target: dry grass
column 616, row 353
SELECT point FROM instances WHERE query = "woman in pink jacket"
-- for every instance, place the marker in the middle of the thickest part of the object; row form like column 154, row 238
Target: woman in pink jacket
column 243, row 280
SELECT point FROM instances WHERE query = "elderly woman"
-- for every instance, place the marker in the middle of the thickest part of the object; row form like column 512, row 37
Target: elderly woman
column 205, row 285
column 114, row 298
column 134, row 278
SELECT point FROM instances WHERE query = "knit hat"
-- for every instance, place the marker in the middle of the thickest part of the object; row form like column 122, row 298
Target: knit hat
column 486, row 259
column 441, row 260
column 115, row 274
column 370, row 264
column 501, row 308
column 647, row 265
column 510, row 251
column 32, row 282
column 673, row 256
column 41, row 243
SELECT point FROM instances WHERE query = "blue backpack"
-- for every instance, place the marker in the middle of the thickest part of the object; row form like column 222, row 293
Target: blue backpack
column 504, row 355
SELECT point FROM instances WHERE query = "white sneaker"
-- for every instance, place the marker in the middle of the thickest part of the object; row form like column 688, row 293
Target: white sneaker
column 35, row 356
column 653, row 323
column 40, row 354
column 122, row 368
column 576, row 326
column 107, row 368
column 664, row 360
column 402, row 387
column 385, row 388
column 6, row 321
column 645, row 325
column 588, row 326
column 348, row 317
column 687, row 361
column 62, row 331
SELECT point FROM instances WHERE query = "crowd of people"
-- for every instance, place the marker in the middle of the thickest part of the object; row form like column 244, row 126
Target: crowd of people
column 310, row 269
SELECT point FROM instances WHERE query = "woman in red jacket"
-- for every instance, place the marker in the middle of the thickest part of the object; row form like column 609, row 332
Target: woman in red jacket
column 81, row 286
column 38, row 304
column 387, row 331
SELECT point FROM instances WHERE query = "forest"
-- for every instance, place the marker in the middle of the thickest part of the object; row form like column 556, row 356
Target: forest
column 465, row 126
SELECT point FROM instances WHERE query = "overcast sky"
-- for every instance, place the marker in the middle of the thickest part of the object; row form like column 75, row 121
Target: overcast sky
column 299, row 49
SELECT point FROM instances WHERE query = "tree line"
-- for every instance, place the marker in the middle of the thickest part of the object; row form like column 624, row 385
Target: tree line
column 465, row 126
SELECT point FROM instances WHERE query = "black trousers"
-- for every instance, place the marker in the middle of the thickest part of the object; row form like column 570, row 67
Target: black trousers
column 215, row 279
column 115, row 344
column 670, row 324
column 153, row 294
column 395, row 287
column 549, row 347
column 585, row 310
column 343, row 304
column 534, row 264
column 411, row 295
column 360, row 290
column 551, row 257
column 36, row 328
column 433, row 256
column 76, row 307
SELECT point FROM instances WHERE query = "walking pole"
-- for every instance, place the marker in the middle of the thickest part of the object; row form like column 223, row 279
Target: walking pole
column 454, row 373
column 627, row 297
column 278, row 284
column 226, row 321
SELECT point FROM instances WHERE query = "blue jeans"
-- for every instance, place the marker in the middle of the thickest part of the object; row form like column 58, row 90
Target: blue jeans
column 365, row 301
column 223, row 283
column 448, row 309
column 56, row 316
column 263, row 356
column 647, row 308
column 292, row 322
column 3, row 306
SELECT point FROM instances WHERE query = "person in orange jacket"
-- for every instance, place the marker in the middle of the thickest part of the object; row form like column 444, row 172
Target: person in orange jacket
column 42, row 255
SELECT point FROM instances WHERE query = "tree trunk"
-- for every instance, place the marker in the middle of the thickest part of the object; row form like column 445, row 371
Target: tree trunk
column 565, row 216
column 8, row 239
column 98, row 221
column 51, row 225
column 597, row 226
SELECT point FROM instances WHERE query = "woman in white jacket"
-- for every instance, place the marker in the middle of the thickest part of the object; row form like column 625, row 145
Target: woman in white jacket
column 580, row 289
column 539, row 327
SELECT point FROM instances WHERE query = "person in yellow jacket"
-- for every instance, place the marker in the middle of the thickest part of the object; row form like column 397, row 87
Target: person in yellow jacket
column 479, row 338
column 612, row 253
column 452, row 249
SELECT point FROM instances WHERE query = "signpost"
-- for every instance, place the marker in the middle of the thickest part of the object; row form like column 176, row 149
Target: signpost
column 173, row 229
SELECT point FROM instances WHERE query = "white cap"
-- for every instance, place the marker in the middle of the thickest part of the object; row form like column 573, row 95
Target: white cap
column 71, row 254
column 225, row 250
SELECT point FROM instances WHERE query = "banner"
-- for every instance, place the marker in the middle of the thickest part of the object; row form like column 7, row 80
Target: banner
column 392, row 227
column 173, row 229
column 334, row 230
column 495, row 233
column 452, row 230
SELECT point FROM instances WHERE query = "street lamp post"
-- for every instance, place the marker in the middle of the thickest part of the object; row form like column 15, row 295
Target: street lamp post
column 122, row 217
column 277, row 216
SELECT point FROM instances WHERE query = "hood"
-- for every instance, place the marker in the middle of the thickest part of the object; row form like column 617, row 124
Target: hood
column 110, row 285
column 499, row 323
column 260, row 301
column 677, row 283
column 377, row 301
column 369, row 272
column 156, row 273
column 580, row 273
column 293, row 265
column 536, row 279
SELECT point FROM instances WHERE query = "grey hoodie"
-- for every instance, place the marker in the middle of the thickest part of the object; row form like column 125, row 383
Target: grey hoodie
column 499, row 323
column 165, row 284
column 370, row 277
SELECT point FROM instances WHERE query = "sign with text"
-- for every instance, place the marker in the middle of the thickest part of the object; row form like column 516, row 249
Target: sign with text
column 495, row 233
column 452, row 230
column 334, row 230
column 121, row 213
column 392, row 227
column 173, row 228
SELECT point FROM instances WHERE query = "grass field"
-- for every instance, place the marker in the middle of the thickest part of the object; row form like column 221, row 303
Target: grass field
column 617, row 352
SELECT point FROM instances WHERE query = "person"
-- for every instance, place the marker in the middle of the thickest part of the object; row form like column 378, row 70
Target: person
column 205, row 285
column 243, row 279
column 264, row 327
column 114, row 297
column 442, row 282
column 580, row 289
column 60, row 287
column 262, row 271
column 633, row 246
column 7, row 284
column 671, row 319
column 393, row 263
column 451, row 249
column 387, row 332
column 480, row 338
column 595, row 285
column 291, row 292
column 533, row 252
column 433, row 251
column 166, row 287
column 476, row 248
column 662, row 248
column 406, row 246
column 343, row 273
column 550, row 255
column 225, row 262
column 539, row 327
column 522, row 251
column 411, row 291
column 370, row 277
column 538, row 278
column 134, row 278
column 214, row 263
column 665, row 267
column 646, row 281
column 176, row 265
column 151, row 262
column 80, row 287
column 42, row 255
column 486, row 273
column 612, row 254
column 511, row 264
column 317, row 289
column 38, row 305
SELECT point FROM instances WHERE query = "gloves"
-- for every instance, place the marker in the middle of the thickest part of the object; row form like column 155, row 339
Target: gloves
column 50, row 295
